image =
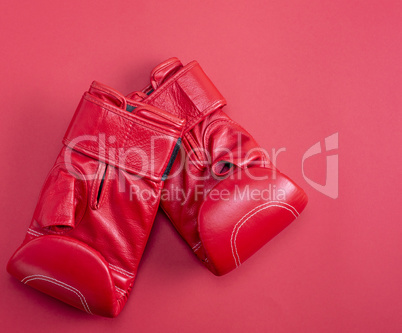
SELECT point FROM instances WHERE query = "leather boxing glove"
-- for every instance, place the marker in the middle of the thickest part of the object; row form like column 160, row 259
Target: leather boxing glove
column 89, row 230
column 223, row 195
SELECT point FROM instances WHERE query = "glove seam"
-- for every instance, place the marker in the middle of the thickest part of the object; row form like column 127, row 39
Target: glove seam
column 130, row 117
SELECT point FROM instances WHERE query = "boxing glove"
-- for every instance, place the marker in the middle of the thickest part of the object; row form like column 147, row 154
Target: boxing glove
column 224, row 196
column 88, row 230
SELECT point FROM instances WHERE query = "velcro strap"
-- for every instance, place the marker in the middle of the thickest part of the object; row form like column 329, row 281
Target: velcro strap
column 136, row 143
column 189, row 94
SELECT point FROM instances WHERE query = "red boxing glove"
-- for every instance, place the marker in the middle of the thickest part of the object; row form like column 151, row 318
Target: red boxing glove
column 89, row 230
column 229, row 200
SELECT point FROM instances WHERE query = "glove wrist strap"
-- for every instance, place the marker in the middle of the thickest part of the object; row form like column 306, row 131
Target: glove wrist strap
column 188, row 94
column 143, row 142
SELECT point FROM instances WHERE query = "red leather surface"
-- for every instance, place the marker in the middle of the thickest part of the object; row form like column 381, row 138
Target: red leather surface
column 294, row 73
column 89, row 229
column 70, row 271
column 233, row 229
column 219, row 168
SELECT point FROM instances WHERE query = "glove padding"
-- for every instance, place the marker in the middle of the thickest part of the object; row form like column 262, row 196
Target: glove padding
column 233, row 199
column 88, row 231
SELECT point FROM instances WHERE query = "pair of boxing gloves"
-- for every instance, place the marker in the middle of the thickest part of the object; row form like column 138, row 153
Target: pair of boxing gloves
column 169, row 145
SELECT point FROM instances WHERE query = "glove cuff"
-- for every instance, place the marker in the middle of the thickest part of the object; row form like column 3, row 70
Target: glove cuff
column 188, row 94
column 143, row 142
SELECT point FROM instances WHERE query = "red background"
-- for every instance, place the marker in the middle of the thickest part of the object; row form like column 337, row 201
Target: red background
column 294, row 72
